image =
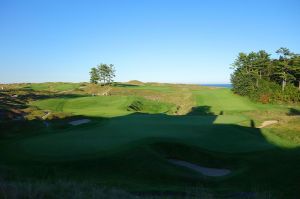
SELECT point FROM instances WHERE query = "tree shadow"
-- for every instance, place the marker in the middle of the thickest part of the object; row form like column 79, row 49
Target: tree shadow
column 124, row 85
column 293, row 111
column 252, row 124
column 141, row 161
column 201, row 110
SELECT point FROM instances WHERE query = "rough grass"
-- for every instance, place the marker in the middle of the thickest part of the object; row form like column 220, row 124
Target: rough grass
column 180, row 96
column 52, row 86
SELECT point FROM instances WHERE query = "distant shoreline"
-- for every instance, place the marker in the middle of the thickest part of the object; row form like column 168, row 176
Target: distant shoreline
column 218, row 85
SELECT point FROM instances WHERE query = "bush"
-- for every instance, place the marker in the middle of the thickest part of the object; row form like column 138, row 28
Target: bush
column 265, row 99
column 266, row 92
column 242, row 84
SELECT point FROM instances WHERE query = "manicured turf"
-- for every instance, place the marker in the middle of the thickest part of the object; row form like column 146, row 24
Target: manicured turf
column 130, row 138
column 118, row 132
column 223, row 100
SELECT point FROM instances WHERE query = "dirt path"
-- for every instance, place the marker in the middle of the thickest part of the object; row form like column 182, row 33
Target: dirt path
column 67, row 91
column 268, row 123
column 212, row 172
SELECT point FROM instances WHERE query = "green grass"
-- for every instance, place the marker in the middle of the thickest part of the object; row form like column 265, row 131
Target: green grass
column 119, row 132
column 223, row 100
column 153, row 88
column 104, row 106
column 130, row 137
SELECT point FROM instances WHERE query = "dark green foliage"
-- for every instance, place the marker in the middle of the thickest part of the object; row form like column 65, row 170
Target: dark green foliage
column 242, row 84
column 103, row 73
column 94, row 76
column 263, row 79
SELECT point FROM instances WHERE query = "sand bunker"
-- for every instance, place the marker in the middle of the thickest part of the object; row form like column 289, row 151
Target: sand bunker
column 267, row 123
column 78, row 122
column 212, row 172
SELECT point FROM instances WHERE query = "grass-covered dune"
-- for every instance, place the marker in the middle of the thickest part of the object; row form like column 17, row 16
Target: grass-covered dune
column 136, row 127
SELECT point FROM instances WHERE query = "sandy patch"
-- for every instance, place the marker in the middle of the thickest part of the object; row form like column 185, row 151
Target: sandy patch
column 212, row 172
column 46, row 115
column 78, row 122
column 267, row 123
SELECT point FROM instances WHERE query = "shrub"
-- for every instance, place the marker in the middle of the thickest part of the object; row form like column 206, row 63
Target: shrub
column 242, row 84
column 265, row 98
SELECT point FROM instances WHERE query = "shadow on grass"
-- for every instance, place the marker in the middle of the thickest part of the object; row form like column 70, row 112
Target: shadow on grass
column 201, row 110
column 124, row 85
column 139, row 164
column 294, row 111
column 13, row 102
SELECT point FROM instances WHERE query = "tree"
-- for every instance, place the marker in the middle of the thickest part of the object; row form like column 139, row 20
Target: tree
column 94, row 75
column 263, row 64
column 102, row 70
column 252, row 65
column 111, row 73
column 283, row 66
column 242, row 79
column 296, row 68
column 261, row 78
column 103, row 73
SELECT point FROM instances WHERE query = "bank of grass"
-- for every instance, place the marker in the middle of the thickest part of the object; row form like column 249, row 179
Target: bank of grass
column 133, row 131
column 104, row 106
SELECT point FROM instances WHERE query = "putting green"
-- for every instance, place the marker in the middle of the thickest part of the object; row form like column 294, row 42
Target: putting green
column 119, row 132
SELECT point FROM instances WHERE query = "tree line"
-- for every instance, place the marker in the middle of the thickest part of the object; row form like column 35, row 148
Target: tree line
column 102, row 73
column 267, row 79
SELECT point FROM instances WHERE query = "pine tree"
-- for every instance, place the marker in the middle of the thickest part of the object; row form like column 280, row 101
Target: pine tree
column 94, row 76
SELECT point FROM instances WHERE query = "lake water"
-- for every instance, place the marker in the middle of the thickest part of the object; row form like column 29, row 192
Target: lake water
column 218, row 85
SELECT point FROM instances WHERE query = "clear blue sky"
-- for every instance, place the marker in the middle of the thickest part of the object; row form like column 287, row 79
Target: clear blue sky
column 155, row 40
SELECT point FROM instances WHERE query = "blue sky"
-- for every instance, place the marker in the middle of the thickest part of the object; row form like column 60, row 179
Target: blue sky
column 155, row 40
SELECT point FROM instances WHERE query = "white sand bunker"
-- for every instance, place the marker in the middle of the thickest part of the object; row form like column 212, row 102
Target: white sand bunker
column 212, row 172
column 78, row 122
column 267, row 123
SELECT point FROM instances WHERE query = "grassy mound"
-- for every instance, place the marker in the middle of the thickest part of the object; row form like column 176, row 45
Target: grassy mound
column 135, row 82
column 104, row 106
